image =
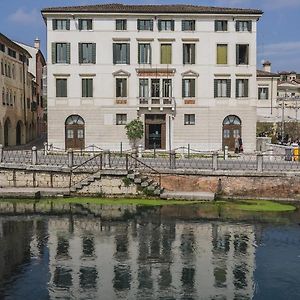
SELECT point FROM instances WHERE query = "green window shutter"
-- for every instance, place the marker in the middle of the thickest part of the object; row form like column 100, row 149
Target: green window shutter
column 216, row 88
column 249, row 26
column 226, row 26
column 80, row 24
column 192, row 88
column 53, row 53
column 184, row 53
column 124, row 87
column 172, row 25
column 151, row 25
column 159, row 25
column 57, row 87
column 246, row 83
column 237, row 26
column 94, row 53
column 228, row 86
column 83, row 87
column 138, row 24
column 193, row 25
column 150, row 54
column 236, row 88
column 54, row 24
column 114, row 53
column 128, row 54
column 80, row 53
column 182, row 25
column 221, row 54
column 68, row 49
column 139, row 53
column 247, row 55
column 237, row 54
column 90, row 87
column 193, row 53
column 216, row 25
column 68, row 24
column 183, row 88
column 267, row 94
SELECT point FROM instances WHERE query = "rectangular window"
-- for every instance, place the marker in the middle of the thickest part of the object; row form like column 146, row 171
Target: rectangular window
column 167, row 88
column 87, row 87
column 121, row 119
column 166, row 25
column 145, row 24
column 188, row 88
column 121, row 87
column 263, row 93
column 221, row 25
column 85, row 24
column 243, row 26
column 2, row 47
column 61, row 87
column 155, row 88
column 242, row 88
column 189, row 119
column 12, row 53
column 121, row 24
column 189, row 54
column 166, row 54
column 242, row 54
column 144, row 88
column 222, row 88
column 222, row 54
column 61, row 53
column 188, row 25
column 61, row 24
column 121, row 53
column 144, row 53
column 87, row 53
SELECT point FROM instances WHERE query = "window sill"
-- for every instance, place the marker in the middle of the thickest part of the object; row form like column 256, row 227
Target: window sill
column 189, row 124
column 222, row 98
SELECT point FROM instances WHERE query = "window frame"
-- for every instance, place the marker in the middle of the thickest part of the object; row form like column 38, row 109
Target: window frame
column 192, row 93
column 89, row 94
column 245, row 93
column 227, row 88
column 267, row 94
column 149, row 62
column 121, row 119
column 121, row 79
column 191, row 54
column 222, row 27
column 219, row 46
column 238, row 59
column 144, row 22
column 62, row 95
column 247, row 28
column 189, row 119
column 122, row 22
column 127, row 53
column 161, row 54
column 165, row 22
column 88, row 22
column 190, row 22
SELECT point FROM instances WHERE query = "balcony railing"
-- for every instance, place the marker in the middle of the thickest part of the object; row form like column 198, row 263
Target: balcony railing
column 156, row 102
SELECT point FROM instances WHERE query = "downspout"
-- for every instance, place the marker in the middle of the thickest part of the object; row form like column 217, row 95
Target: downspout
column 272, row 95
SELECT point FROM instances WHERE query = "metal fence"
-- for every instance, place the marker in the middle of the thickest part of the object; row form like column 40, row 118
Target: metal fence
column 179, row 159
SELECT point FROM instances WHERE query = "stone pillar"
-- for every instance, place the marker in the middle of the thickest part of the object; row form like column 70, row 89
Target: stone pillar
column 1, row 153
column 259, row 162
column 106, row 162
column 226, row 152
column 70, row 158
column 45, row 148
column 215, row 161
column 172, row 159
column 34, row 156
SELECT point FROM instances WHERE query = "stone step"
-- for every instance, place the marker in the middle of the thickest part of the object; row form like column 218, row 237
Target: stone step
column 146, row 183
column 137, row 180
column 200, row 196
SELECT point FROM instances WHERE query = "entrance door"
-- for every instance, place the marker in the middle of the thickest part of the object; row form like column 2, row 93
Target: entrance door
column 232, row 129
column 18, row 133
column 155, row 131
column 74, row 132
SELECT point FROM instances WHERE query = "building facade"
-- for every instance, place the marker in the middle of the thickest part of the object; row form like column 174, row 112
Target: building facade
column 188, row 72
column 36, row 66
column 17, row 92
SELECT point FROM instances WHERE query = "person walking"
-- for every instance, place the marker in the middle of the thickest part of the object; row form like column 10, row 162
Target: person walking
column 240, row 141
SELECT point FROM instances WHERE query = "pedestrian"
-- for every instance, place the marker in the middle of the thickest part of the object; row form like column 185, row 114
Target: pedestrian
column 236, row 145
column 240, row 144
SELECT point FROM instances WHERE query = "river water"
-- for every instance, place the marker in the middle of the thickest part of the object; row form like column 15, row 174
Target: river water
column 146, row 253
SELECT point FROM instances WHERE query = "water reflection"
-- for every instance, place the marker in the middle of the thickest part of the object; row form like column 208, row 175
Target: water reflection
column 141, row 258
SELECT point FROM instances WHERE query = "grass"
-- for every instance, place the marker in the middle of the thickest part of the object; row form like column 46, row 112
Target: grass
column 263, row 206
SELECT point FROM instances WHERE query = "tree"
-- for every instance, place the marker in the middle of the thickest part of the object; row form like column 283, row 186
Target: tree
column 134, row 131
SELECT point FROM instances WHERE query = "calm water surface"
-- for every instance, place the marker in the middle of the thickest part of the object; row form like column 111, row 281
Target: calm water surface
column 144, row 253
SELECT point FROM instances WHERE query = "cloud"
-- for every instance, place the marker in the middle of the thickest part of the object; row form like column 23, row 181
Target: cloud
column 25, row 17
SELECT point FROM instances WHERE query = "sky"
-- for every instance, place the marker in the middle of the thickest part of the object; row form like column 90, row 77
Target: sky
column 278, row 38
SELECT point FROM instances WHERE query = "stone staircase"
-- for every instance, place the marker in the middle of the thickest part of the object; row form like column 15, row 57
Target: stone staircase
column 144, row 183
column 86, row 182
column 147, row 185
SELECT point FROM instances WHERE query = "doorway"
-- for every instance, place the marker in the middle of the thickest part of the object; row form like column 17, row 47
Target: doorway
column 19, row 133
column 232, row 129
column 74, row 132
column 155, row 131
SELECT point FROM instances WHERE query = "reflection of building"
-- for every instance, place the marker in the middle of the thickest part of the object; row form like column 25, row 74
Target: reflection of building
column 187, row 72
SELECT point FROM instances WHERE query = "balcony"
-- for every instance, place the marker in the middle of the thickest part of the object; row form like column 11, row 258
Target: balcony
column 157, row 102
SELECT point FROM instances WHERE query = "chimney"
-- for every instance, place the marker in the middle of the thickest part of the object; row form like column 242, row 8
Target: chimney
column 37, row 43
column 267, row 66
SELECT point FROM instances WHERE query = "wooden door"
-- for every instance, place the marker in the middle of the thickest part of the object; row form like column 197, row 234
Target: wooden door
column 230, row 133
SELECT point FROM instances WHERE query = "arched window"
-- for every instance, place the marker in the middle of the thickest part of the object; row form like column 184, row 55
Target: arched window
column 232, row 120
column 74, row 120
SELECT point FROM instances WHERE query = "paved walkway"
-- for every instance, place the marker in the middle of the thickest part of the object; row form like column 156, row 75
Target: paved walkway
column 39, row 143
column 35, row 193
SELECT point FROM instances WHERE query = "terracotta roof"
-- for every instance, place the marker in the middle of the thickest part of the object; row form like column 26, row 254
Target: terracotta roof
column 174, row 9
column 261, row 73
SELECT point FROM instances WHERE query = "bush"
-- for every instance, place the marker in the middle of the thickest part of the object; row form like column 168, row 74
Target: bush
column 134, row 131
